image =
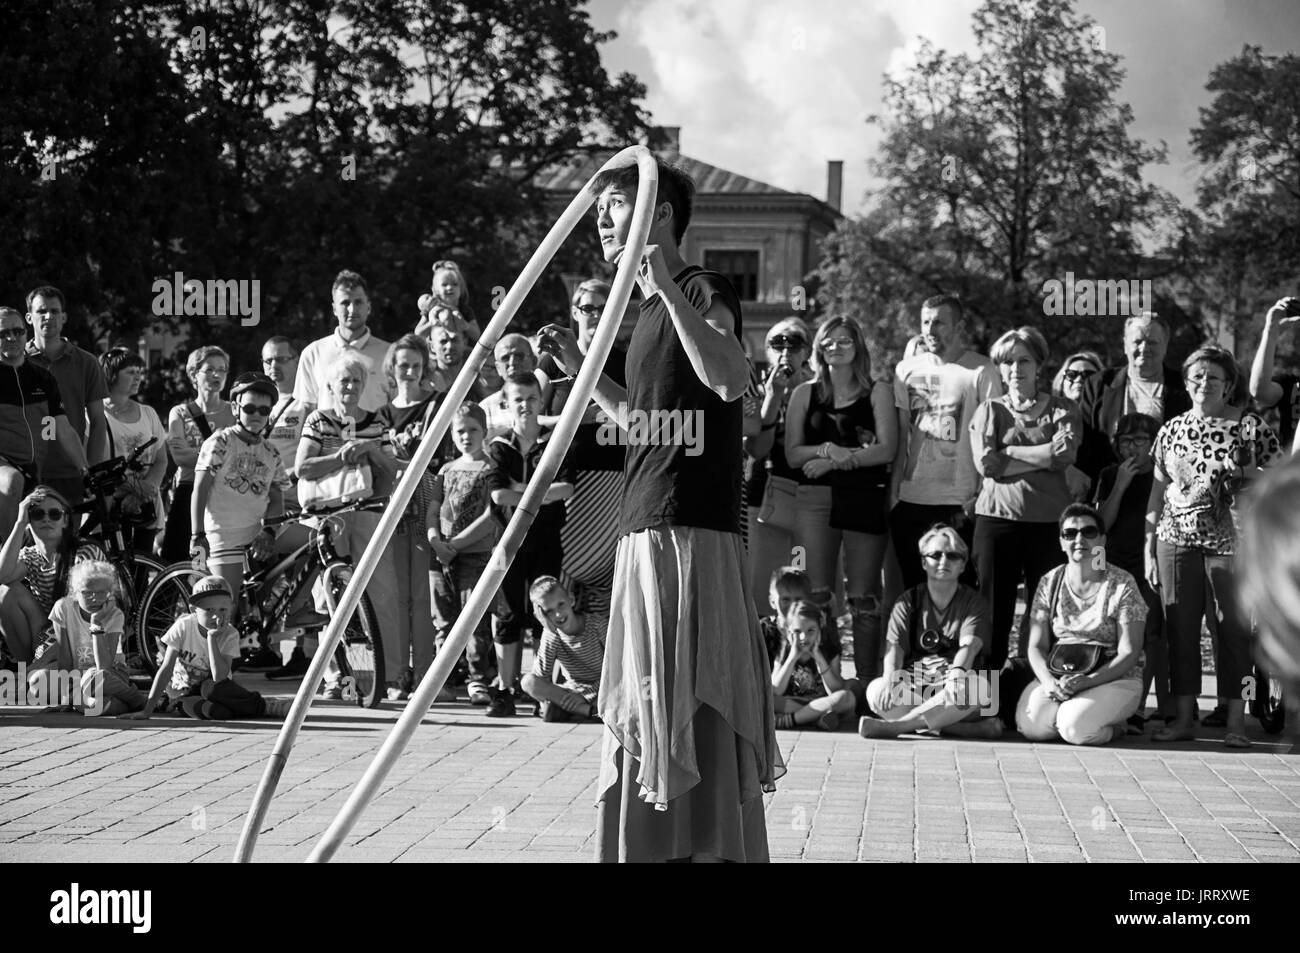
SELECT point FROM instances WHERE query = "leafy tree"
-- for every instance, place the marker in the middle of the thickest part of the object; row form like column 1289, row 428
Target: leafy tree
column 998, row 172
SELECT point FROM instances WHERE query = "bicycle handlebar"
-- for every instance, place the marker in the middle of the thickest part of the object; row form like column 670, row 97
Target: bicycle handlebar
column 104, row 477
column 376, row 504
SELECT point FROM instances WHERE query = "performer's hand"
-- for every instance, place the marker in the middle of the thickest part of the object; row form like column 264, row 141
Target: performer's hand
column 652, row 274
column 559, row 342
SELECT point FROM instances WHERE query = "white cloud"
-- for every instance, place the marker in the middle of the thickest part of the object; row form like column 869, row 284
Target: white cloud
column 772, row 90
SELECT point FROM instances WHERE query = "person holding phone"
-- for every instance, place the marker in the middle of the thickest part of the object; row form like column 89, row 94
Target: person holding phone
column 1278, row 390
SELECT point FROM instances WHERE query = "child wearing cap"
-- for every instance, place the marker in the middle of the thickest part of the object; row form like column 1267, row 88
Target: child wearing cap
column 194, row 676
column 85, row 641
column 237, row 481
column 576, row 642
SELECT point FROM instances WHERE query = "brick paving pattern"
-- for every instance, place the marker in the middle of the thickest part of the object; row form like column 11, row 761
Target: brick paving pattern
column 470, row 788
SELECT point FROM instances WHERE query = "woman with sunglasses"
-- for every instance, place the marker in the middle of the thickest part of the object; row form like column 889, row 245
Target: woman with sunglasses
column 130, row 425
column 34, row 576
column 1203, row 458
column 841, row 432
column 934, row 673
column 589, row 536
column 1078, row 369
column 1022, row 443
column 1093, row 605
column 771, row 481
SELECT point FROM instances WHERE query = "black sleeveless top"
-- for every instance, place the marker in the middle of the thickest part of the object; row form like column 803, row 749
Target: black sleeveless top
column 684, row 455
column 853, row 426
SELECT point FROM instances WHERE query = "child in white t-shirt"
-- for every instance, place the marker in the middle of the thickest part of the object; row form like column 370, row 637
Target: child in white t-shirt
column 85, row 647
column 237, row 481
column 194, row 676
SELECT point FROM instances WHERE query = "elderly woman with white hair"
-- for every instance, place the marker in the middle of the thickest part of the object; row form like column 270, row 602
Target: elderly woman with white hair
column 341, row 435
column 770, row 480
column 934, row 673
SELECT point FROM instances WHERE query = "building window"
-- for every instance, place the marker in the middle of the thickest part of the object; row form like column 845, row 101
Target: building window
column 738, row 267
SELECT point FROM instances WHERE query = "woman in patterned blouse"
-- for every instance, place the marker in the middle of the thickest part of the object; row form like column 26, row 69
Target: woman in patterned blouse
column 1202, row 459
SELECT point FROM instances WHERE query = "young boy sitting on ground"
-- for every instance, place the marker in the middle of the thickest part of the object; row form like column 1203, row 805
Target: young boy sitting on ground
column 807, row 687
column 200, row 647
column 86, row 642
column 577, row 642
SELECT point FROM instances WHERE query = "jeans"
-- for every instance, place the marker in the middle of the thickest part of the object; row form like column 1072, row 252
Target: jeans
column 908, row 522
column 1192, row 583
column 411, row 557
column 863, row 552
column 1006, row 551
column 451, row 591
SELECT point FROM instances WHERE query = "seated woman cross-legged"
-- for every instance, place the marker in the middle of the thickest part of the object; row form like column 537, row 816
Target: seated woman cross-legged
column 806, row 683
column 1085, row 642
column 934, row 656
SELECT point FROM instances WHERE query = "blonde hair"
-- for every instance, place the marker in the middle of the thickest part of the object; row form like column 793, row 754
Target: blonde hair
column 89, row 569
column 949, row 535
column 861, row 356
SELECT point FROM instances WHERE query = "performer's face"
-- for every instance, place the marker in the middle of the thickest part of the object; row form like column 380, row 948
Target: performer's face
column 614, row 219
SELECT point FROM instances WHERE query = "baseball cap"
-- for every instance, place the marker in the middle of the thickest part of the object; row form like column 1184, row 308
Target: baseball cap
column 211, row 586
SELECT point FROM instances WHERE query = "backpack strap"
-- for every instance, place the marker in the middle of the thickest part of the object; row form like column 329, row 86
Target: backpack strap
column 200, row 421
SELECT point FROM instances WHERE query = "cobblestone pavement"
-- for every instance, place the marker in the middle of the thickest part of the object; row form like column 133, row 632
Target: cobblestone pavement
column 470, row 788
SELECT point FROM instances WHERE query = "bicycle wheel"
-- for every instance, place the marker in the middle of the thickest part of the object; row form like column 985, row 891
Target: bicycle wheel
column 1268, row 705
column 134, row 576
column 167, row 597
column 360, row 652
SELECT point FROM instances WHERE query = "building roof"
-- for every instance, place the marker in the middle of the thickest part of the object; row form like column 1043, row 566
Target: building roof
column 709, row 179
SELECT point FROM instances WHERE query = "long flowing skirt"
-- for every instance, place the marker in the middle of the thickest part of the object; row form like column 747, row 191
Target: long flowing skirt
column 686, row 697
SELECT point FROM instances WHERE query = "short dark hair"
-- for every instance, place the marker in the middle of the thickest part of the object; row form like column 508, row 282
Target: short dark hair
column 791, row 577
column 522, row 379
column 349, row 279
column 675, row 187
column 45, row 291
column 278, row 339
column 1080, row 511
column 935, row 302
column 1136, row 423
column 117, row 359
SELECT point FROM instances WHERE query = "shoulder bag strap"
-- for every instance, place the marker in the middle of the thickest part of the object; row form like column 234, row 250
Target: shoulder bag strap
column 200, row 421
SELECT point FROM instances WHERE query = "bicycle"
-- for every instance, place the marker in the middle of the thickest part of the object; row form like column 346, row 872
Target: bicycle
column 274, row 602
column 135, row 571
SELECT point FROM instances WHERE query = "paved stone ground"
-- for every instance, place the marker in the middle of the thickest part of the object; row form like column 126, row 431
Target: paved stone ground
column 471, row 788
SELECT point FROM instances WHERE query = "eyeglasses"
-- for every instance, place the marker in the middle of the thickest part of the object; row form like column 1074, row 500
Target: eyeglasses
column 1088, row 532
column 787, row 342
column 1207, row 380
column 261, row 410
column 53, row 513
column 837, row 342
column 276, row 360
column 1130, row 441
column 939, row 555
column 13, row 334
column 1075, row 376
column 590, row 310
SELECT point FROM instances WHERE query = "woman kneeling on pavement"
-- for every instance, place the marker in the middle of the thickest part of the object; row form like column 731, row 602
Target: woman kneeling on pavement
column 1085, row 642
column 934, row 652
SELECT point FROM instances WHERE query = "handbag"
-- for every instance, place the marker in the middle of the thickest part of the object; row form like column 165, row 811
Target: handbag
column 348, row 485
column 1075, row 658
column 777, row 508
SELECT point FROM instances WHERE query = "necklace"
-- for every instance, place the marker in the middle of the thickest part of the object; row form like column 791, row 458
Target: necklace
column 1021, row 405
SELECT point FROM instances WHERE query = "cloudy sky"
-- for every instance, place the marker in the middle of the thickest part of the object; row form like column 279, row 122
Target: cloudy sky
column 772, row 89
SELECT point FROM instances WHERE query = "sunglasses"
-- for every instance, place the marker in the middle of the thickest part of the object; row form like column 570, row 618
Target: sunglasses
column 941, row 554
column 1074, row 376
column 590, row 310
column 262, row 410
column 1088, row 532
column 13, row 334
column 787, row 342
column 40, row 513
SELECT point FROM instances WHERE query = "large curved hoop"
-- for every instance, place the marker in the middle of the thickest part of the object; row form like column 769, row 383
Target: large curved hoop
column 592, row 367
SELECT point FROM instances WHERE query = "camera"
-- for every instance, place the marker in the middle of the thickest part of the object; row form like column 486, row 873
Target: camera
column 936, row 642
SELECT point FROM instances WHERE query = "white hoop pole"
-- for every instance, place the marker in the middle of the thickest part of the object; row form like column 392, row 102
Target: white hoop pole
column 503, row 555
column 402, row 494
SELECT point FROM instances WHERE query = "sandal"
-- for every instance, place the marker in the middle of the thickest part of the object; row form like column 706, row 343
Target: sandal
column 1236, row 739
column 785, row 720
column 1170, row 733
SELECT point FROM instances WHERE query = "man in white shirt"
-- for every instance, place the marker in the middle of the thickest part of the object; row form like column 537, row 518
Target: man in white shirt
column 936, row 392
column 284, row 429
column 351, row 303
